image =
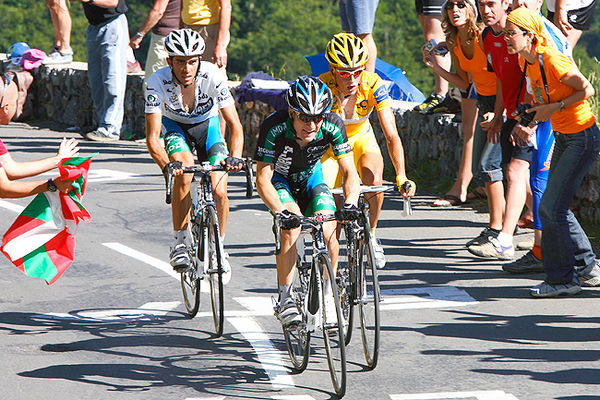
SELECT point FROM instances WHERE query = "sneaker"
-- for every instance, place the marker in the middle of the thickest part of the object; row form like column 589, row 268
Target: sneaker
column 57, row 57
column 288, row 313
column 226, row 275
column 379, row 254
column 330, row 314
column 428, row 105
column 134, row 67
column 483, row 236
column 591, row 279
column 180, row 258
column 492, row 249
column 524, row 265
column 546, row 289
column 98, row 136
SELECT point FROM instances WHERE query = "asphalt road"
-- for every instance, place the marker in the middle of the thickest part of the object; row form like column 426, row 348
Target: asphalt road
column 113, row 326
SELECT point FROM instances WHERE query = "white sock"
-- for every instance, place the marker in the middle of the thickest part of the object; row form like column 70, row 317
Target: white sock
column 181, row 236
column 285, row 291
column 505, row 239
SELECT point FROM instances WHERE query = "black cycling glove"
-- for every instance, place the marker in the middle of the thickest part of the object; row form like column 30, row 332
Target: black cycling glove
column 233, row 161
column 171, row 166
column 349, row 212
column 289, row 220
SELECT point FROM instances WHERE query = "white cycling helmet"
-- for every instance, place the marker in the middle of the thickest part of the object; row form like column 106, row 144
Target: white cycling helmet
column 184, row 43
column 309, row 95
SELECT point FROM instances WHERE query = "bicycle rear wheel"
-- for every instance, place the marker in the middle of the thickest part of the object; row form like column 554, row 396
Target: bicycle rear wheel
column 333, row 336
column 215, row 269
column 297, row 338
column 368, row 300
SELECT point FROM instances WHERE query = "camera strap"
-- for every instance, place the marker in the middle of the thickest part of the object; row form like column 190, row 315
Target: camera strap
column 542, row 72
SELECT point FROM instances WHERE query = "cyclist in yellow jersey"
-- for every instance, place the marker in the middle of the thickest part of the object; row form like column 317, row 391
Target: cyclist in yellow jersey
column 355, row 93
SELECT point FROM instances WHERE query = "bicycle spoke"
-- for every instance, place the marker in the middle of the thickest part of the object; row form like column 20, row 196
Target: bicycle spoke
column 190, row 286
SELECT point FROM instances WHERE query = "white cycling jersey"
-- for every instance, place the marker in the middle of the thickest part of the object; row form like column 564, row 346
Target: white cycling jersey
column 163, row 94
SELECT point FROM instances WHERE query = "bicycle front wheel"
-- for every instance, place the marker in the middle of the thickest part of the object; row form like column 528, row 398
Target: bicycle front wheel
column 344, row 280
column 297, row 338
column 332, row 326
column 215, row 269
column 190, row 286
column 368, row 300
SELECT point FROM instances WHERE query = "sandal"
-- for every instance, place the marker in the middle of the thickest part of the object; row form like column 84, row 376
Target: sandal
column 448, row 200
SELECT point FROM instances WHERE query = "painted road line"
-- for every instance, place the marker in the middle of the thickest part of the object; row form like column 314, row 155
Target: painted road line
column 206, row 398
column 155, row 262
column 147, row 312
column 478, row 395
column 11, row 206
column 294, row 397
column 269, row 357
column 425, row 297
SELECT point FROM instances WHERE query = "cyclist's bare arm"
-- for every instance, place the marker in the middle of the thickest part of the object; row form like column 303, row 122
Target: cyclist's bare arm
column 350, row 178
column 236, row 133
column 264, row 187
column 155, row 147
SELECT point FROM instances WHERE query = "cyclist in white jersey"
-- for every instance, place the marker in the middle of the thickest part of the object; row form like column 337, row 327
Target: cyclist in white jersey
column 182, row 103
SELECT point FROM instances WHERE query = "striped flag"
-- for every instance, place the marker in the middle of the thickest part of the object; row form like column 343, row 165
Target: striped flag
column 41, row 242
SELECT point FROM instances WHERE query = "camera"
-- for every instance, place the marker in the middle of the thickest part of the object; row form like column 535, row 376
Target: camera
column 526, row 118
column 433, row 47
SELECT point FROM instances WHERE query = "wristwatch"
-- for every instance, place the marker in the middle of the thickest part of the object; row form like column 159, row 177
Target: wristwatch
column 51, row 186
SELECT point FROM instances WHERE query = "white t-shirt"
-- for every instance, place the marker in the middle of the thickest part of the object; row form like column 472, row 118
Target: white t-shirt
column 163, row 94
column 570, row 4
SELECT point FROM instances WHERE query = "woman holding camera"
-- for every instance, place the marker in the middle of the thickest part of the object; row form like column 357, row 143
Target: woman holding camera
column 463, row 39
column 560, row 90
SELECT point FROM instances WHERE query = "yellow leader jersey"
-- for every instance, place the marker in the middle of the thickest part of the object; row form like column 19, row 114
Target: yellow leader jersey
column 371, row 93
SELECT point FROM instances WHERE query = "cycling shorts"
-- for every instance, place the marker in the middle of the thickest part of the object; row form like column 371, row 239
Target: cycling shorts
column 205, row 137
column 361, row 143
column 581, row 19
column 312, row 195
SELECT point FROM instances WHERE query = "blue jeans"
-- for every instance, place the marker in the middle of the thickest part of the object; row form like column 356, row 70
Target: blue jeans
column 565, row 246
column 358, row 16
column 106, row 46
column 487, row 157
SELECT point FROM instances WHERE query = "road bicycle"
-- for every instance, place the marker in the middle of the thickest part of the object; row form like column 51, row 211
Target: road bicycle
column 206, row 251
column 357, row 278
column 308, row 291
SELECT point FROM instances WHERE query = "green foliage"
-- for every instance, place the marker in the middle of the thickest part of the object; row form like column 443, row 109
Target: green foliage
column 270, row 35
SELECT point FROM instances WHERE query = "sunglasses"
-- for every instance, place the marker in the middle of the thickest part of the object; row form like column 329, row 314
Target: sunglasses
column 509, row 33
column 307, row 118
column 460, row 4
column 348, row 74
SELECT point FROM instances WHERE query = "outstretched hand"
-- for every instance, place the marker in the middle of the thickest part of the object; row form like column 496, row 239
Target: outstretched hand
column 68, row 148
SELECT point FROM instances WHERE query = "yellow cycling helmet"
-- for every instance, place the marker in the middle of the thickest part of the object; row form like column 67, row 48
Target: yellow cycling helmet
column 346, row 51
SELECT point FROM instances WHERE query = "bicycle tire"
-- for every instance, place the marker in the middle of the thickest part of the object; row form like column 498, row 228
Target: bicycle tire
column 215, row 270
column 345, row 282
column 368, row 300
column 297, row 338
column 333, row 336
column 190, row 282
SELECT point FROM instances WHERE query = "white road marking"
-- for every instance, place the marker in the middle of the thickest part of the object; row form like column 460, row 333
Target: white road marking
column 294, row 397
column 147, row 312
column 103, row 175
column 155, row 262
column 270, row 358
column 425, row 297
column 11, row 206
column 205, row 398
column 479, row 395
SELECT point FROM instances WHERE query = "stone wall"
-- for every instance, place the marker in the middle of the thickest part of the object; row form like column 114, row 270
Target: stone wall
column 62, row 95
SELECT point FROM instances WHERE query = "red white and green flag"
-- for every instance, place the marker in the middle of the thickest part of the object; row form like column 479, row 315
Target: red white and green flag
column 41, row 242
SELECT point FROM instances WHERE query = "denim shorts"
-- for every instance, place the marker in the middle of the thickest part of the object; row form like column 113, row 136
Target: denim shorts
column 487, row 157
column 358, row 16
